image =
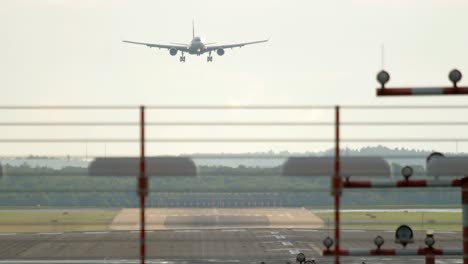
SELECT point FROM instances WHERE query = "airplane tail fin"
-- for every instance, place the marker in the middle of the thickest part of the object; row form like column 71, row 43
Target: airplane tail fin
column 193, row 28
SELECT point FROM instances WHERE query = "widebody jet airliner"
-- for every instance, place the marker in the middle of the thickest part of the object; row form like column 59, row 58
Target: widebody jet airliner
column 196, row 47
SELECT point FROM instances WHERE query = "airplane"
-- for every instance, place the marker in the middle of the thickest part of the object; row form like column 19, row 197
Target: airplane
column 196, row 46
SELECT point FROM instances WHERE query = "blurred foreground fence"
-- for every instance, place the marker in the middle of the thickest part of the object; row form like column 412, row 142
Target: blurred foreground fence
column 214, row 155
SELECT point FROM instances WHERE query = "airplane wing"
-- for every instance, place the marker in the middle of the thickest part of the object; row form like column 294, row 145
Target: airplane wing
column 161, row 46
column 237, row 45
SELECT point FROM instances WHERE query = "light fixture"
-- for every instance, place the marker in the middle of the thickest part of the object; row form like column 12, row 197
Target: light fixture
column 429, row 240
column 379, row 241
column 404, row 235
column 328, row 242
column 407, row 172
column 300, row 258
column 383, row 77
column 455, row 76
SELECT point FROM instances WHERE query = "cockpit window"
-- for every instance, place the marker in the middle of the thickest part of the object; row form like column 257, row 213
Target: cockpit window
column 196, row 38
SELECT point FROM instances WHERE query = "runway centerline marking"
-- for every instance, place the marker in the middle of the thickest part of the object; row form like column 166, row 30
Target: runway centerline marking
column 294, row 251
column 279, row 237
column 50, row 233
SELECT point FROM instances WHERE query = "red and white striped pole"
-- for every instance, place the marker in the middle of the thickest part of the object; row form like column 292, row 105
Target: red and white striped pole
column 454, row 76
column 395, row 252
column 422, row 91
column 402, row 183
column 336, row 181
column 464, row 189
column 142, row 186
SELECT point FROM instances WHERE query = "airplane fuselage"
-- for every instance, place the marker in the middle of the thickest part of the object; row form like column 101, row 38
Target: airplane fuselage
column 197, row 46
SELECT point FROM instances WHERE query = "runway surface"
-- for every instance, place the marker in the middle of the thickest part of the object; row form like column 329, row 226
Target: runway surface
column 240, row 245
column 208, row 235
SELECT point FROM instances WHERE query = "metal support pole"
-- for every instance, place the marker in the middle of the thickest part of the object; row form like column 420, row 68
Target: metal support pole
column 430, row 258
column 464, row 189
column 429, row 254
column 422, row 91
column 337, row 185
column 142, row 186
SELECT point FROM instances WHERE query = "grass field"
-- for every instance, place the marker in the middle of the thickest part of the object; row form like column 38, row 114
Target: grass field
column 445, row 221
column 60, row 220
column 55, row 220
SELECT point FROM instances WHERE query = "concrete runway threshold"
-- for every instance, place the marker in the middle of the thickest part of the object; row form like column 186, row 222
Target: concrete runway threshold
column 209, row 218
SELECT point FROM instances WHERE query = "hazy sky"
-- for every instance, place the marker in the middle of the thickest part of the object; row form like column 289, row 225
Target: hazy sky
column 321, row 52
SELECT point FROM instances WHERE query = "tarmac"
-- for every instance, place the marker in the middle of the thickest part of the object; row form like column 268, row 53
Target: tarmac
column 207, row 236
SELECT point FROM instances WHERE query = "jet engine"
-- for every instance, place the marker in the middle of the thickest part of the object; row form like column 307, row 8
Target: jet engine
column 220, row 52
column 173, row 51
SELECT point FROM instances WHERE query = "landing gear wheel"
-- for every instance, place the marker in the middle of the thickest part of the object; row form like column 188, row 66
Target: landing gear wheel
column 182, row 58
column 209, row 59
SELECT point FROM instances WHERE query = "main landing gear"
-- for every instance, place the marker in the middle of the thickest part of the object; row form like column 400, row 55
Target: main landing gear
column 182, row 58
column 209, row 58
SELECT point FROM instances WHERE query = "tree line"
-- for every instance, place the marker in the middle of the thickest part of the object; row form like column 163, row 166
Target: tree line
column 219, row 186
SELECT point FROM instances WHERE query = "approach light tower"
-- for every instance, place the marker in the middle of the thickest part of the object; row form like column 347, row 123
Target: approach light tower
column 455, row 77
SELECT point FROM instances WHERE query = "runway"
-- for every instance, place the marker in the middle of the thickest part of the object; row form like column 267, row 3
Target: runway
column 224, row 245
column 205, row 235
